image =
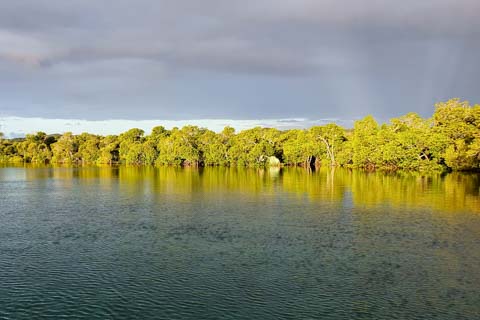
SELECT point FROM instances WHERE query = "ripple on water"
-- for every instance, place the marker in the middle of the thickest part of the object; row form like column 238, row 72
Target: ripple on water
column 102, row 249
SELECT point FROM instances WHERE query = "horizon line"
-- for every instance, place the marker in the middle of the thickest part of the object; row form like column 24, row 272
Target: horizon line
column 17, row 127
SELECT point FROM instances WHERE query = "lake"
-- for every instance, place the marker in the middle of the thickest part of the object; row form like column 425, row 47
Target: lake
column 227, row 243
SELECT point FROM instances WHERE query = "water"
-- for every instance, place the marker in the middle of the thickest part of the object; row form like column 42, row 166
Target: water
column 141, row 243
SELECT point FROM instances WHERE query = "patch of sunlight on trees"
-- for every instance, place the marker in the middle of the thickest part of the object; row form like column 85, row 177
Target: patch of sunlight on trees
column 449, row 140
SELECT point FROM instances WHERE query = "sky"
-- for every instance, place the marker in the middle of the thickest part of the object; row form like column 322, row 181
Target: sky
column 101, row 66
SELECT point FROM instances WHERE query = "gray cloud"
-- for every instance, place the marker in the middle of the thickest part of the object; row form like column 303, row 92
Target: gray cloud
column 235, row 59
column 259, row 34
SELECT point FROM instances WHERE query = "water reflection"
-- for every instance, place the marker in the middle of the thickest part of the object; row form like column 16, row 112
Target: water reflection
column 233, row 243
column 442, row 192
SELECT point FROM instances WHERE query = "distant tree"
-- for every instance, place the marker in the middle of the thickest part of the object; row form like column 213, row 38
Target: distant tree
column 130, row 142
column 252, row 147
column 88, row 148
column 458, row 124
column 109, row 150
column 213, row 149
column 65, row 149
column 449, row 140
column 366, row 148
column 299, row 148
column 331, row 136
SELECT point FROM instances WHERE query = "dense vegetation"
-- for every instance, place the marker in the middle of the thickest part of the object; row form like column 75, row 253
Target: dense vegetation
column 450, row 140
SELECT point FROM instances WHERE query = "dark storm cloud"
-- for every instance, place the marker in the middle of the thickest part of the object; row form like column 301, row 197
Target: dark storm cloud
column 235, row 59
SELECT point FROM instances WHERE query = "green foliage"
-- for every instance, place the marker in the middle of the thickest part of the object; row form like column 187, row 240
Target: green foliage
column 34, row 148
column 65, row 149
column 214, row 149
column 252, row 147
column 450, row 140
column 330, row 137
column 108, row 150
column 131, row 142
column 459, row 126
column 88, row 148
column 408, row 143
column 366, row 143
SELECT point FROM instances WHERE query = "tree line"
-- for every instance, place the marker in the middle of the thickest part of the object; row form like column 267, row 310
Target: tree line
column 449, row 140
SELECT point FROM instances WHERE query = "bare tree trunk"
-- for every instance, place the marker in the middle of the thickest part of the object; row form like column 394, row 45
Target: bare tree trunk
column 330, row 151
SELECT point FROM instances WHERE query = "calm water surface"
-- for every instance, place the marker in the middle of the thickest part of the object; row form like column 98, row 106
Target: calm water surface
column 141, row 243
